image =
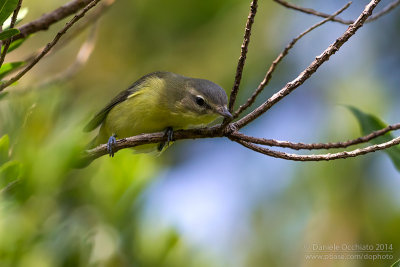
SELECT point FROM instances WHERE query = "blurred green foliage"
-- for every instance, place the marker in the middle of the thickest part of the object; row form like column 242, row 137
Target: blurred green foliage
column 62, row 217
column 58, row 216
column 8, row 33
column 8, row 67
column 54, row 215
column 370, row 123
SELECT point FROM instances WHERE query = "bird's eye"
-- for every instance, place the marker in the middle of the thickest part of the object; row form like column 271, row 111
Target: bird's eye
column 200, row 101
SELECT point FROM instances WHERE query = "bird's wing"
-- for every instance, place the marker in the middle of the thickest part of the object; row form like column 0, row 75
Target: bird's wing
column 122, row 96
column 100, row 117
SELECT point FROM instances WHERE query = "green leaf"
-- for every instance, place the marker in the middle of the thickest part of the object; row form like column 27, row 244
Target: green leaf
column 370, row 123
column 21, row 15
column 15, row 44
column 4, row 146
column 6, row 9
column 396, row 264
column 8, row 33
column 6, row 68
column 10, row 171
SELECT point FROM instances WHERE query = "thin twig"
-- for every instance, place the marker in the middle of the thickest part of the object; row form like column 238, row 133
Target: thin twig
column 311, row 11
column 8, row 41
column 274, row 64
column 1, row 29
column 69, row 36
column 243, row 53
column 297, row 146
column 88, row 20
column 45, row 21
column 83, row 55
column 384, row 11
column 49, row 45
column 309, row 71
column 323, row 157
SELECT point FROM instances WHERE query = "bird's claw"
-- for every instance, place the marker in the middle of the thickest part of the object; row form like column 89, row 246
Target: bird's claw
column 169, row 132
column 170, row 135
column 110, row 145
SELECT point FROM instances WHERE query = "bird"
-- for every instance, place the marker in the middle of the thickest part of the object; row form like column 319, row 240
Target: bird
column 158, row 101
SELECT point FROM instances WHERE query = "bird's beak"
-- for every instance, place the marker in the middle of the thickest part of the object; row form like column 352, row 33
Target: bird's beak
column 223, row 111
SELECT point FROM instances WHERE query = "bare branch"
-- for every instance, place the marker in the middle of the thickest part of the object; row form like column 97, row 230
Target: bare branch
column 49, row 45
column 297, row 146
column 243, row 53
column 307, row 73
column 272, row 68
column 214, row 132
column 231, row 130
column 45, row 21
column 12, row 24
column 323, row 157
column 209, row 132
column 311, row 11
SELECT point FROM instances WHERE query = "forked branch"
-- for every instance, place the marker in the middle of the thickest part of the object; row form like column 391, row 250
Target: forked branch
column 236, row 136
column 230, row 130
column 311, row 69
column 226, row 129
column 323, row 157
column 248, row 141
column 275, row 63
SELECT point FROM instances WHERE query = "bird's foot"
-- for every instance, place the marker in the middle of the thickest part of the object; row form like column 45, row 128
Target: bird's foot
column 110, row 145
column 169, row 132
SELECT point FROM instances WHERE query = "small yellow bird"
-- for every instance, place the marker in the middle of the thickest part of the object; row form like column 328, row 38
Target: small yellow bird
column 159, row 101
